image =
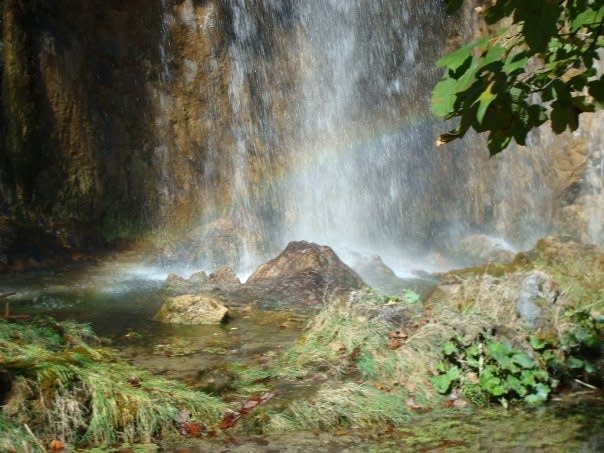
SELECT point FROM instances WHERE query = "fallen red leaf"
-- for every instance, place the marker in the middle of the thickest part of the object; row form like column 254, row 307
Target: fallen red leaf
column 56, row 445
column 394, row 343
column 230, row 418
column 193, row 429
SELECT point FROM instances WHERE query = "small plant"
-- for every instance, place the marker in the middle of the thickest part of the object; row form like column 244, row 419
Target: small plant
column 491, row 370
column 573, row 354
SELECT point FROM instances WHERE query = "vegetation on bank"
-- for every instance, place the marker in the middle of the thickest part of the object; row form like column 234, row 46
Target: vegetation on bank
column 363, row 362
column 61, row 384
column 373, row 361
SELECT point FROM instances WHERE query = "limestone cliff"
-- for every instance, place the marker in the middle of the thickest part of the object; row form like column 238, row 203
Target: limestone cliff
column 172, row 113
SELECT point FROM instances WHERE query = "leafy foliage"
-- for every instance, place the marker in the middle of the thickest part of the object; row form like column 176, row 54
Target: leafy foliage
column 493, row 370
column 539, row 68
column 574, row 354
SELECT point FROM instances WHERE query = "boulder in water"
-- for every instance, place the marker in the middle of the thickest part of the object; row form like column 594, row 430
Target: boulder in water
column 192, row 309
column 304, row 274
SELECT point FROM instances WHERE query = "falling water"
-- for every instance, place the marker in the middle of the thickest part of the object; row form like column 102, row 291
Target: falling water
column 364, row 122
column 356, row 139
column 162, row 99
column 330, row 137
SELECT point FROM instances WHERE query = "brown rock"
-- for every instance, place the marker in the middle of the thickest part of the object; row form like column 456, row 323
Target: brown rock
column 192, row 310
column 304, row 274
column 223, row 278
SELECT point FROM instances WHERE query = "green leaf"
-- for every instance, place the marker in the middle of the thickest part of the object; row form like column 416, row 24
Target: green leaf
column 596, row 90
column 449, row 348
column 586, row 17
column 473, row 350
column 515, row 62
column 455, row 59
column 537, row 343
column 582, row 104
column 443, row 97
column 534, row 399
column 563, row 116
column 451, row 6
column 523, row 360
column 499, row 351
column 497, row 142
column 442, row 383
column 540, row 20
column 513, row 383
column 485, row 99
column 574, row 363
column 490, row 383
column 528, row 378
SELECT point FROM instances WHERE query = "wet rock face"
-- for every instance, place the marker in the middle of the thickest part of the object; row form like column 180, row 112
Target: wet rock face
column 134, row 114
column 24, row 247
column 536, row 296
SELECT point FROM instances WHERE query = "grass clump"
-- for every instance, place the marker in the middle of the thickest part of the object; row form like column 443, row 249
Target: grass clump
column 65, row 386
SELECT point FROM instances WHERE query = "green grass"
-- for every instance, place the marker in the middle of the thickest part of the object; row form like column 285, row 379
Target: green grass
column 67, row 387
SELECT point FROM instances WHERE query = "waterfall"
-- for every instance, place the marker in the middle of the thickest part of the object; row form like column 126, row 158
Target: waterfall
column 350, row 151
column 364, row 122
column 327, row 135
